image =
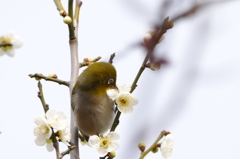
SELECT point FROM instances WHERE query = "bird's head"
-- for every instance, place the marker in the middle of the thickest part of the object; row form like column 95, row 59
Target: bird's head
column 98, row 77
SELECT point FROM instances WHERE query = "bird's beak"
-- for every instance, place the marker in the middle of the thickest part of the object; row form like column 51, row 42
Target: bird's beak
column 115, row 87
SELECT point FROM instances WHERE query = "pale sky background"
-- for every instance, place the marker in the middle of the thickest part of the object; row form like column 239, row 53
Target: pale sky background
column 195, row 96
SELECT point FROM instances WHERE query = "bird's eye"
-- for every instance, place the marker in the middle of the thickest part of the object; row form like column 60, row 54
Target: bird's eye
column 110, row 81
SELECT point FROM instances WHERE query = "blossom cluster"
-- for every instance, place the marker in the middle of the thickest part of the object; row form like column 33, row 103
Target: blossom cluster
column 125, row 100
column 49, row 123
column 8, row 43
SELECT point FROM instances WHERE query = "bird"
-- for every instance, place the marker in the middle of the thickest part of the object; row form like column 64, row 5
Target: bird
column 93, row 110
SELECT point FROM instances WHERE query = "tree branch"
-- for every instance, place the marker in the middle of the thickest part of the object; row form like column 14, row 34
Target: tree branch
column 71, row 28
column 40, row 76
column 73, row 42
column 161, row 30
column 70, row 148
column 41, row 97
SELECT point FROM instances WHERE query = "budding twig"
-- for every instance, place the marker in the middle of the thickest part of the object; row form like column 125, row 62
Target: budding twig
column 70, row 148
column 77, row 10
column 88, row 62
column 162, row 30
column 40, row 76
column 59, row 6
column 144, row 153
column 41, row 97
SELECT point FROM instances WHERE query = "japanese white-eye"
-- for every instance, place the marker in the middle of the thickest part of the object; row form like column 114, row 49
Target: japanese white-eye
column 93, row 109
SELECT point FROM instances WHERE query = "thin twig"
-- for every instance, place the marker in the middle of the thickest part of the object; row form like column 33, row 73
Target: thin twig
column 196, row 8
column 77, row 10
column 143, row 154
column 116, row 121
column 55, row 145
column 70, row 148
column 41, row 97
column 76, row 16
column 88, row 62
column 40, row 76
column 59, row 5
column 111, row 58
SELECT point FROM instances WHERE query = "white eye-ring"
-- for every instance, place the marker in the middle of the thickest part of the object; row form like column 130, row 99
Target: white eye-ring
column 110, row 81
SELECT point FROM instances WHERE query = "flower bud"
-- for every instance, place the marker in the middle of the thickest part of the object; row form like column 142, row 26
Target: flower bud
column 67, row 20
column 52, row 75
column 142, row 146
column 149, row 35
column 38, row 78
column 155, row 149
column 155, row 65
column 62, row 13
column 147, row 38
column 87, row 59
column 112, row 154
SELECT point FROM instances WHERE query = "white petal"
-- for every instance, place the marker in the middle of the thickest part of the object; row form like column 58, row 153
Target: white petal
column 133, row 101
column 39, row 120
column 113, row 147
column 112, row 93
column 10, row 52
column 94, row 141
column 1, row 52
column 50, row 113
column 169, row 139
column 65, row 136
column 36, row 131
column 124, row 88
column 101, row 152
column 56, row 119
column 16, row 42
column 40, row 142
column 125, row 109
column 113, row 136
column 42, row 131
column 50, row 147
column 42, row 135
column 126, row 99
column 166, row 149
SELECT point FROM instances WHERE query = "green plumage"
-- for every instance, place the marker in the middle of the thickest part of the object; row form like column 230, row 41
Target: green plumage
column 93, row 109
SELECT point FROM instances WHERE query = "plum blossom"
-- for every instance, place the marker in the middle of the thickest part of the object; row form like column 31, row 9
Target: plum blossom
column 57, row 120
column 8, row 43
column 51, row 122
column 42, row 131
column 125, row 100
column 104, row 144
column 167, row 146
